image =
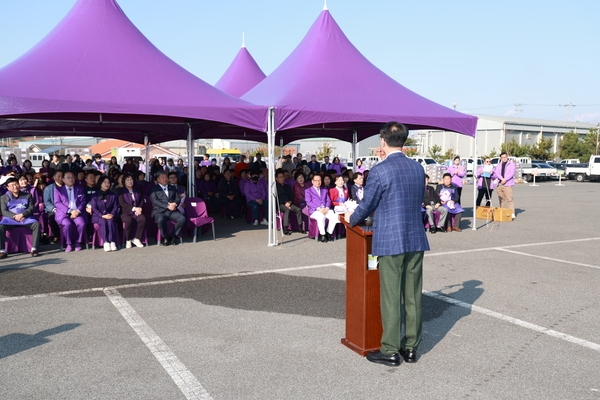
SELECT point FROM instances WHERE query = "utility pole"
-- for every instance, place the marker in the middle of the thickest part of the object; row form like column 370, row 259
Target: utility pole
column 518, row 109
column 454, row 105
column 568, row 107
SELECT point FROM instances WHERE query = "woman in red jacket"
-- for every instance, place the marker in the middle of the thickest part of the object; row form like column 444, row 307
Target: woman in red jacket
column 338, row 194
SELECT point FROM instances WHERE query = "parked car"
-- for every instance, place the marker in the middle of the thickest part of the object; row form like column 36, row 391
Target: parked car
column 583, row 172
column 542, row 171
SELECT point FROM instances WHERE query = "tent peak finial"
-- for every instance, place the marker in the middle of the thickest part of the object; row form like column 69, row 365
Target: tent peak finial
column 243, row 40
column 325, row 6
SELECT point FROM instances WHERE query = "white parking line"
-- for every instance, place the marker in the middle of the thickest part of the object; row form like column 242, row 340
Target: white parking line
column 515, row 321
column 548, row 258
column 183, row 378
column 445, row 253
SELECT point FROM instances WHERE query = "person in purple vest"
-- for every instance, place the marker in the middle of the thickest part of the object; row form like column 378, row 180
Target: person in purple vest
column 104, row 210
column 448, row 194
column 256, row 196
column 505, row 173
column 457, row 172
column 98, row 164
column 319, row 208
column 70, row 203
column 17, row 210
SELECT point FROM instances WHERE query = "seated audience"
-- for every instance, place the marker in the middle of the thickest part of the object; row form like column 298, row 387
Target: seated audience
column 319, row 208
column 431, row 203
column 357, row 189
column 229, row 194
column 338, row 194
column 69, row 201
column 17, row 210
column 104, row 211
column 286, row 205
column 256, row 196
column 449, row 198
column 131, row 200
column 165, row 201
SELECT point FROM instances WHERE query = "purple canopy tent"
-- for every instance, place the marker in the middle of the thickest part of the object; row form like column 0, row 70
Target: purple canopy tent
column 95, row 68
column 242, row 75
column 326, row 87
column 96, row 74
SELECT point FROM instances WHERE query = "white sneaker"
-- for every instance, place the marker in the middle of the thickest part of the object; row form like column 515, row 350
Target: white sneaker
column 514, row 216
column 106, row 246
column 255, row 222
column 113, row 246
column 137, row 242
column 264, row 222
column 128, row 244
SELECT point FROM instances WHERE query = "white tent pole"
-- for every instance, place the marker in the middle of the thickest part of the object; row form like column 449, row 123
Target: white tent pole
column 475, row 168
column 191, row 172
column 271, row 178
column 147, row 162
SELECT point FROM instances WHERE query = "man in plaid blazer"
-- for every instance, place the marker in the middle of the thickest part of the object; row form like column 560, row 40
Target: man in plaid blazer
column 394, row 192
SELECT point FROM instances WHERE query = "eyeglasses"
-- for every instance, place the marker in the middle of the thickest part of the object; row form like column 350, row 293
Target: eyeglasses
column 487, row 162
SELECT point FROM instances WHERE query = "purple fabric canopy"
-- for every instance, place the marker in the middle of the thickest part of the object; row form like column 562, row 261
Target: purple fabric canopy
column 95, row 73
column 242, row 75
column 326, row 87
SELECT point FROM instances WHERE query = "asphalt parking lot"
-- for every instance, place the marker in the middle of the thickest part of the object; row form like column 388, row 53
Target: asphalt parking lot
column 510, row 312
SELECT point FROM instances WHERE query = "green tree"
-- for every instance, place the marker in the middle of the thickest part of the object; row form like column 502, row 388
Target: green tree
column 410, row 142
column 512, row 148
column 435, row 152
column 324, row 151
column 410, row 151
column 449, row 154
column 541, row 150
column 492, row 154
column 593, row 140
column 571, row 146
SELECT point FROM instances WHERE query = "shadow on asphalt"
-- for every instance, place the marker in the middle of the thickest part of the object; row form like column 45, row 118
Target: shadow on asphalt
column 18, row 342
column 277, row 293
column 437, row 322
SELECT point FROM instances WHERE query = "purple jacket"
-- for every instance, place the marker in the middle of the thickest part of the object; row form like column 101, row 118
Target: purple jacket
column 315, row 201
column 337, row 168
column 61, row 201
column 127, row 203
column 480, row 179
column 255, row 191
column 457, row 179
column 509, row 173
column 103, row 207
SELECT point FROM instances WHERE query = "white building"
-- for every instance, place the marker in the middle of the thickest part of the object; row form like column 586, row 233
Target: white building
column 492, row 131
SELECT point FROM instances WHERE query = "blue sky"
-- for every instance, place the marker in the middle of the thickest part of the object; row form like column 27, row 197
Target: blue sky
column 483, row 56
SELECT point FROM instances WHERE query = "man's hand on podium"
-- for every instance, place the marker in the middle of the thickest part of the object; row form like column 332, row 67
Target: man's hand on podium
column 347, row 215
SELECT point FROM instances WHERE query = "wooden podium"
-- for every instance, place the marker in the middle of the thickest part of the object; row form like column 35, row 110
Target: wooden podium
column 363, row 315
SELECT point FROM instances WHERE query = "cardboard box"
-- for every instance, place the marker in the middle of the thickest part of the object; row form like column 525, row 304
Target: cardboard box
column 484, row 213
column 503, row 214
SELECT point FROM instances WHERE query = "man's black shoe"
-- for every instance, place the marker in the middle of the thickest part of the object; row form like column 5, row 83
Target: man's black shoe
column 34, row 253
column 329, row 237
column 301, row 231
column 322, row 238
column 410, row 356
column 166, row 242
column 2, row 255
column 441, row 229
column 175, row 241
column 432, row 229
column 287, row 232
column 380, row 358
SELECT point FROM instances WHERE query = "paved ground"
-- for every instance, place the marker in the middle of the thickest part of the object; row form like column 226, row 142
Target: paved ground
column 511, row 311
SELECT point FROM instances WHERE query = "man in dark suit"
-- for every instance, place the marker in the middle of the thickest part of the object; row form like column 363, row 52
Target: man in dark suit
column 395, row 193
column 165, row 201
column 326, row 164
